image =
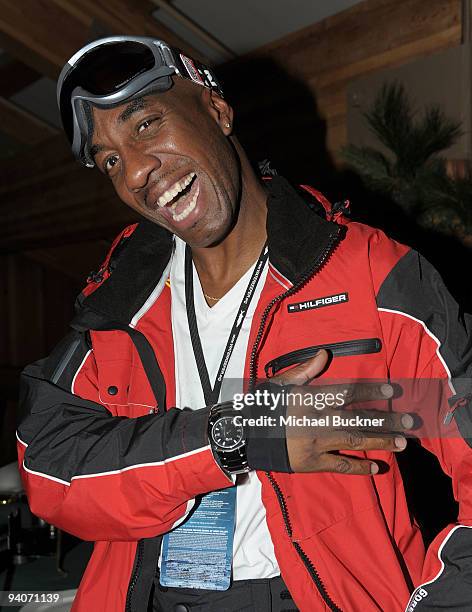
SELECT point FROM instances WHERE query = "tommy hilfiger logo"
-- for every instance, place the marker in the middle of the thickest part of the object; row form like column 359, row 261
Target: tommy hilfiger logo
column 329, row 300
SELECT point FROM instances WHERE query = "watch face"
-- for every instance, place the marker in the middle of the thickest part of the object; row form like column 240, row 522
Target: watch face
column 226, row 434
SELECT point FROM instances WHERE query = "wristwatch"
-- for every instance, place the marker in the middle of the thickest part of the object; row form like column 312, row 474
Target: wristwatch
column 227, row 438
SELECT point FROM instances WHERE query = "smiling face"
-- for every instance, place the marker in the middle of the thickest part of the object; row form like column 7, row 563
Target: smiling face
column 170, row 158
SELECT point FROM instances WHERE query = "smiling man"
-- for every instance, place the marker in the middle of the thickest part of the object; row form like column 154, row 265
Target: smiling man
column 196, row 186
column 129, row 441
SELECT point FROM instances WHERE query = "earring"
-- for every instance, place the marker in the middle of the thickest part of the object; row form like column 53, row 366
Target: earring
column 227, row 125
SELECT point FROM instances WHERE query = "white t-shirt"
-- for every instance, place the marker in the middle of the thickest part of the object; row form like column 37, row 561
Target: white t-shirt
column 253, row 551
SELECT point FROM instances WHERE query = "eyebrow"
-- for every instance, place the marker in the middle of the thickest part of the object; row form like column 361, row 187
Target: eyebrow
column 134, row 106
column 96, row 148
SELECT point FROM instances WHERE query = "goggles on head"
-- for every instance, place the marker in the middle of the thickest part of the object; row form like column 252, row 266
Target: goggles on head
column 113, row 70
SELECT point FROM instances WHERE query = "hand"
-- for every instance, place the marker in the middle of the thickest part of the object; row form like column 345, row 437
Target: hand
column 315, row 448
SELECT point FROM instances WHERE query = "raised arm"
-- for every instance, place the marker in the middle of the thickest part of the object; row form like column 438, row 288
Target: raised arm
column 105, row 477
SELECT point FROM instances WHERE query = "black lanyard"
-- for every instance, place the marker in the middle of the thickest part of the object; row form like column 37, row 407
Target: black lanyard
column 212, row 394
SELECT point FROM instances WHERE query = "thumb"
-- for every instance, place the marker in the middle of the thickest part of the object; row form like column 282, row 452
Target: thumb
column 303, row 373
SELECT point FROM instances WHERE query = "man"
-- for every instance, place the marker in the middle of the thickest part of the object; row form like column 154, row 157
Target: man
column 228, row 277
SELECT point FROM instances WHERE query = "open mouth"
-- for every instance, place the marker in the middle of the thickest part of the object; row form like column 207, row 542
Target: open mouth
column 181, row 198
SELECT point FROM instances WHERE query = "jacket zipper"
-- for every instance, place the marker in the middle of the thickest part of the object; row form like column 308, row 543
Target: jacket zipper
column 316, row 267
column 458, row 403
column 338, row 349
column 134, row 576
column 304, row 557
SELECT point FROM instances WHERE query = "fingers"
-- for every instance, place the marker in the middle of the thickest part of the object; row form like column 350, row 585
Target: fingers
column 342, row 395
column 365, row 392
column 303, row 373
column 395, row 421
column 373, row 420
column 360, row 441
column 341, row 464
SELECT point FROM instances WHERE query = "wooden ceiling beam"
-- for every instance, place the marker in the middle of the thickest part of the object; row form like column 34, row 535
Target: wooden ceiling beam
column 128, row 17
column 44, row 34
column 22, row 125
column 40, row 34
column 197, row 29
column 430, row 26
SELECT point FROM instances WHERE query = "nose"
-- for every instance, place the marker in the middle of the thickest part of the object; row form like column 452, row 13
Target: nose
column 138, row 167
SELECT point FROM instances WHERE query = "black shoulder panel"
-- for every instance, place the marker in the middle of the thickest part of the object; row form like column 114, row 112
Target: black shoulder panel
column 452, row 589
column 415, row 288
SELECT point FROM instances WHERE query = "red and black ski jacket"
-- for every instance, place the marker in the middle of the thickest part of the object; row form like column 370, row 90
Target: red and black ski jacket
column 105, row 456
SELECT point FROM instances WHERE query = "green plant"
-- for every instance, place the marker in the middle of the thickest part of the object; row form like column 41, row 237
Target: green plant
column 411, row 172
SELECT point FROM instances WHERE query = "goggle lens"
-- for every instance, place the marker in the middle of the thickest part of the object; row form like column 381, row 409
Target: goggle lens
column 102, row 71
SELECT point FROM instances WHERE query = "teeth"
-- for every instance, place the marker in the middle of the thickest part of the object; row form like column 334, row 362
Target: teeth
column 188, row 209
column 170, row 194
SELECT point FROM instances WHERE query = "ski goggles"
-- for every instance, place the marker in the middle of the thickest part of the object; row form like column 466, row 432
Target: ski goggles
column 113, row 70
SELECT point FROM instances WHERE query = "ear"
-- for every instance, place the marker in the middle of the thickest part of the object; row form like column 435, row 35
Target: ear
column 220, row 110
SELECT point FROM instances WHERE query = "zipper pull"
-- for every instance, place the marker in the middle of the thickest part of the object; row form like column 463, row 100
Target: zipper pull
column 96, row 277
column 460, row 403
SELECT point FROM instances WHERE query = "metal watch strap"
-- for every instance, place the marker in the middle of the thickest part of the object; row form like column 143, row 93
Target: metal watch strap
column 232, row 461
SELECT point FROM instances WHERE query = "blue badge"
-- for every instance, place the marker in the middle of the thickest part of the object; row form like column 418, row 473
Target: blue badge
column 199, row 553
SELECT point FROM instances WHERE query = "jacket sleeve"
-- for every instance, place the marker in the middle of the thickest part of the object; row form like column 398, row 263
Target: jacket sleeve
column 105, row 477
column 429, row 341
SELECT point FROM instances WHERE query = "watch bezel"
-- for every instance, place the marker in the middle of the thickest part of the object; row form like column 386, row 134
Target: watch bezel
column 240, row 428
column 233, row 460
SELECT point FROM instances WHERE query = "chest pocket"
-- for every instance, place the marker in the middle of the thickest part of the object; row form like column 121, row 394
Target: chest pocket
column 124, row 388
column 347, row 348
column 132, row 385
column 113, row 384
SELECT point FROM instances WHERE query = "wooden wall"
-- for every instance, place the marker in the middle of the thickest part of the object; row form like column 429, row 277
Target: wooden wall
column 326, row 56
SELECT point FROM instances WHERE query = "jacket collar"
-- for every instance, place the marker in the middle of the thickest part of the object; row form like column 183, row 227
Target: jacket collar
column 297, row 237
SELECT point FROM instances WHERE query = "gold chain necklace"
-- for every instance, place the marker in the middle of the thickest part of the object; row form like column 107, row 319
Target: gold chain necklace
column 211, row 298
